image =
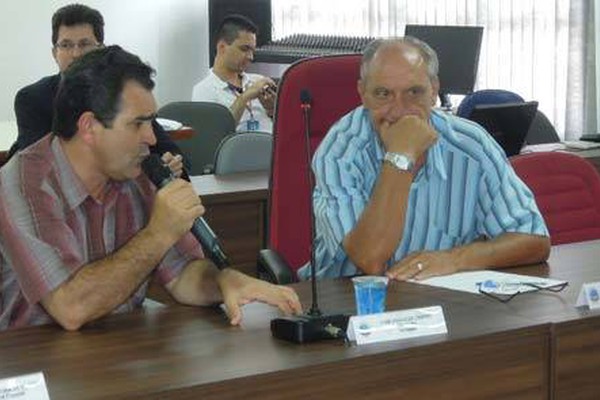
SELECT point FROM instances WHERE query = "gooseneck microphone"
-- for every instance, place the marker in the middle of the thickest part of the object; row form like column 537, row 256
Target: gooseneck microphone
column 161, row 175
column 306, row 106
column 314, row 325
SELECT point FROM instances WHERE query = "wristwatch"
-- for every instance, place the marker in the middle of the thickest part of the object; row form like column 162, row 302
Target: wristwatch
column 400, row 161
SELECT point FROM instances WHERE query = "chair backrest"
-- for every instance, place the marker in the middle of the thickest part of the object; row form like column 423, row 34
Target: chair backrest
column 486, row 96
column 331, row 81
column 244, row 152
column 567, row 191
column 541, row 130
column 211, row 123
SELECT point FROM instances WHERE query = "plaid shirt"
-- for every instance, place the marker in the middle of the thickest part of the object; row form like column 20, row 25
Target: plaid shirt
column 50, row 227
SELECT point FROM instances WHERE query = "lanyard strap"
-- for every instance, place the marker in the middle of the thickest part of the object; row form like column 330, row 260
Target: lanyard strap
column 237, row 91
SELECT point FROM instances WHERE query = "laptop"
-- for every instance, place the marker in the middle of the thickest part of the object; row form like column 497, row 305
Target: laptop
column 507, row 123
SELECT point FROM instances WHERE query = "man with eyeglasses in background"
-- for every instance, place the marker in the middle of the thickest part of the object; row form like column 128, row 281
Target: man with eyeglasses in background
column 76, row 30
column 249, row 97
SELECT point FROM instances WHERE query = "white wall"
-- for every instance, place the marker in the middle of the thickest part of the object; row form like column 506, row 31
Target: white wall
column 171, row 35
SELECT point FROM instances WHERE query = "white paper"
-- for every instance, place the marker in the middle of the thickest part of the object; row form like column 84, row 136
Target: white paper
column 24, row 387
column 589, row 296
column 471, row 281
column 396, row 325
column 169, row 124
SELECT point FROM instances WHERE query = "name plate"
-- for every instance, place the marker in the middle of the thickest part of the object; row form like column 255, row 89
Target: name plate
column 24, row 387
column 396, row 325
column 589, row 295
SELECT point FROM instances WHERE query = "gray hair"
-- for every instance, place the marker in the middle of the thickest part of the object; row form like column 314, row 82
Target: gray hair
column 429, row 55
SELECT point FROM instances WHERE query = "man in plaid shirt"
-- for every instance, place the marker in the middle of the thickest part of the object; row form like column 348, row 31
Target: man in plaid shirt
column 82, row 230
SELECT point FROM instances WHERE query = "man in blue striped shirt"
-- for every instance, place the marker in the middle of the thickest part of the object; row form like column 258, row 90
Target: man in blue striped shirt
column 412, row 192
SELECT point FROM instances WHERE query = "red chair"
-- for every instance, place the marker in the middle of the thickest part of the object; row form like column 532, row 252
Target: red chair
column 567, row 191
column 332, row 83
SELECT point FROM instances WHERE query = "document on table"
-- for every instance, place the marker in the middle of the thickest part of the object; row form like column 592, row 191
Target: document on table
column 471, row 282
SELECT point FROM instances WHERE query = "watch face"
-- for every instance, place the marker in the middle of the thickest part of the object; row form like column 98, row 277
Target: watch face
column 400, row 161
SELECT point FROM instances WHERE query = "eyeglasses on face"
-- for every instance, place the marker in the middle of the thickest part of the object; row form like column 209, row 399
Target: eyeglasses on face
column 83, row 45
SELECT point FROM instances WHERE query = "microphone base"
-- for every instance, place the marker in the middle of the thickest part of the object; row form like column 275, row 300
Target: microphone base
column 307, row 328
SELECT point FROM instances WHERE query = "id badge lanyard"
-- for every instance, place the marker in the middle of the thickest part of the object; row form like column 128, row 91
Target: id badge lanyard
column 252, row 124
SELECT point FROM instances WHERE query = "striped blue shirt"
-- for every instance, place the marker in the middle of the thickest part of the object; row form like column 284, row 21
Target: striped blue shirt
column 466, row 190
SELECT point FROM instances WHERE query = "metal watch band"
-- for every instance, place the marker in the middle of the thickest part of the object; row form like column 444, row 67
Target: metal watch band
column 400, row 161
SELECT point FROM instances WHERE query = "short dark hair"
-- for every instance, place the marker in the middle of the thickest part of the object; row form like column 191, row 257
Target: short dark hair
column 232, row 24
column 94, row 82
column 77, row 14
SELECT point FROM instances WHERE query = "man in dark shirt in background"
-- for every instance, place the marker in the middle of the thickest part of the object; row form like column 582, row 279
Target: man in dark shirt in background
column 76, row 30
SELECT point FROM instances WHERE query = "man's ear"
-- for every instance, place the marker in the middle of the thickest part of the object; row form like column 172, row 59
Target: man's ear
column 221, row 45
column 88, row 126
column 435, row 90
column 361, row 88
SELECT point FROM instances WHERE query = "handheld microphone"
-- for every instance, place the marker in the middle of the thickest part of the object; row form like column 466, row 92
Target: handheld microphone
column 161, row 175
column 314, row 325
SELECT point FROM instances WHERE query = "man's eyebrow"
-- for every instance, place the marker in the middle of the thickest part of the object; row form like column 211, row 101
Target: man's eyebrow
column 416, row 86
column 144, row 118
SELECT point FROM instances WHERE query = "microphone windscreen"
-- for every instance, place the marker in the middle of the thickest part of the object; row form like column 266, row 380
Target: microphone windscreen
column 305, row 97
column 154, row 168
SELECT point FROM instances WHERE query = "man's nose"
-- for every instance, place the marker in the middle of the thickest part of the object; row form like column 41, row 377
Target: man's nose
column 148, row 135
column 77, row 52
column 397, row 107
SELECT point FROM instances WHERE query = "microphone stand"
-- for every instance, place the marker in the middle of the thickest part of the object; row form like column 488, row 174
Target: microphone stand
column 306, row 108
column 312, row 326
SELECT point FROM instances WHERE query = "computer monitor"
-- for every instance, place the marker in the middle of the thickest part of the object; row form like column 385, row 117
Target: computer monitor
column 458, row 49
column 259, row 11
column 507, row 123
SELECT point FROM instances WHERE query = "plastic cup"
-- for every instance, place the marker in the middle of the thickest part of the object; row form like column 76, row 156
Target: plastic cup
column 370, row 292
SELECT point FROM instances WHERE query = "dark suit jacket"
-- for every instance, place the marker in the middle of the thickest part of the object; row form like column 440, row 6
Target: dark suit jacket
column 34, row 109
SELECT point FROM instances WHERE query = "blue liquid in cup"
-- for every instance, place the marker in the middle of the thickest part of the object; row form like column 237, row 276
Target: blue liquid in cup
column 370, row 297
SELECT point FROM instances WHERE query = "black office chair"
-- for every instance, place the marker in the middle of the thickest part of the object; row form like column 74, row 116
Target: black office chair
column 541, row 130
column 486, row 96
column 211, row 122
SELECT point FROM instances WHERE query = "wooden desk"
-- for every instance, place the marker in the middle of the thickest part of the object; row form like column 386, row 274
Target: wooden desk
column 576, row 333
column 236, row 209
column 575, row 348
column 191, row 353
column 529, row 348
